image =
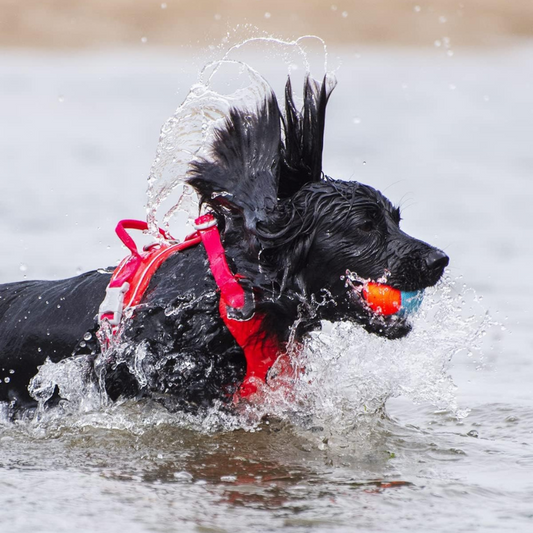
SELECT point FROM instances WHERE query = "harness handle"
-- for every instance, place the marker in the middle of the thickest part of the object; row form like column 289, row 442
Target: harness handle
column 141, row 225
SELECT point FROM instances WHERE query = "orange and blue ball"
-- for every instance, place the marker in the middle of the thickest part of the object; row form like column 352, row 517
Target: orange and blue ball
column 386, row 300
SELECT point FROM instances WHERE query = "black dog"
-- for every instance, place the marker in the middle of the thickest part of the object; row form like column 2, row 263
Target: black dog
column 290, row 231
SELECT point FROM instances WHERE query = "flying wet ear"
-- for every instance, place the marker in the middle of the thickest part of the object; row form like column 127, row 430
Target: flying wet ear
column 243, row 171
column 304, row 136
column 250, row 168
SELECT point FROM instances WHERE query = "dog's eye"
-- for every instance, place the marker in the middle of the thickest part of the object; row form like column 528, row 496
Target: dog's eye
column 367, row 225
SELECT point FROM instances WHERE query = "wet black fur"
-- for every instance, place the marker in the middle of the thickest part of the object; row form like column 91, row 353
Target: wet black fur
column 289, row 229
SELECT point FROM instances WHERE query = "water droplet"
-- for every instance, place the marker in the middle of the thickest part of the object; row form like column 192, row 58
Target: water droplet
column 334, row 8
column 450, row 53
column 218, row 16
column 183, row 476
column 267, row 15
column 486, row 98
column 357, row 120
column 59, row 306
column 60, row 98
column 23, row 267
column 473, row 433
column 144, row 40
column 452, row 87
column 417, row 9
column 364, row 162
column 443, row 20
column 11, row 371
column 7, row 380
column 344, row 14
column 83, row 344
column 87, row 336
column 163, row 5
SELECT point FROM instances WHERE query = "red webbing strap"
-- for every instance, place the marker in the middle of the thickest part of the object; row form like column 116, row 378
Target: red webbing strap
column 260, row 350
column 149, row 265
column 145, row 264
column 124, row 236
column 231, row 290
column 131, row 278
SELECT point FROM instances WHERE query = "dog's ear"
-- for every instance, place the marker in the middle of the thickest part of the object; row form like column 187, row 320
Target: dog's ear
column 304, row 136
column 243, row 171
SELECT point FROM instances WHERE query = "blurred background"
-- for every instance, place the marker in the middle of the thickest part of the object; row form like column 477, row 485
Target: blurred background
column 77, row 24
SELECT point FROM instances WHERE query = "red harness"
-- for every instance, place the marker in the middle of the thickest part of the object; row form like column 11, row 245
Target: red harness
column 132, row 277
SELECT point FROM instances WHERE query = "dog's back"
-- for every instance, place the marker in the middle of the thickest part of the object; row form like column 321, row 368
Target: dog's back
column 40, row 320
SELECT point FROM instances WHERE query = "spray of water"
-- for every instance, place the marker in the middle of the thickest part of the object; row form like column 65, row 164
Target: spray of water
column 346, row 377
column 349, row 373
column 188, row 132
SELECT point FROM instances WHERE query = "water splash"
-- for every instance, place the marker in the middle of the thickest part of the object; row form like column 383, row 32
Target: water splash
column 188, row 133
column 72, row 380
column 350, row 374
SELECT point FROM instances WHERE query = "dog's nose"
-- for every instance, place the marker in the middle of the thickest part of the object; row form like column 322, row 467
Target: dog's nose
column 437, row 260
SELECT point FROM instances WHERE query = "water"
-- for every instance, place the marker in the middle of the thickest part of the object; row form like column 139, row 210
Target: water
column 77, row 141
column 188, row 134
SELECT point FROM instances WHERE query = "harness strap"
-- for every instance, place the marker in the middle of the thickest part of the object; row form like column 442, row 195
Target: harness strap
column 132, row 276
column 260, row 350
column 231, row 290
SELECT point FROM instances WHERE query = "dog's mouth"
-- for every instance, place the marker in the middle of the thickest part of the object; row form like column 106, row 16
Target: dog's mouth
column 381, row 308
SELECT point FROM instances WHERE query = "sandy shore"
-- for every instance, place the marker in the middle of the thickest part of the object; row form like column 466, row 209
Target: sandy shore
column 104, row 23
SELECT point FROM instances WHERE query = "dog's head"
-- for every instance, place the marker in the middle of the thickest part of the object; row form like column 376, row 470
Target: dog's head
column 299, row 234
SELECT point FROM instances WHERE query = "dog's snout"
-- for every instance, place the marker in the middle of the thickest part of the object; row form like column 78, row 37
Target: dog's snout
column 437, row 260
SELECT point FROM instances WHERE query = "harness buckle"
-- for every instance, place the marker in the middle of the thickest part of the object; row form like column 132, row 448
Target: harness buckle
column 205, row 222
column 112, row 307
column 246, row 311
